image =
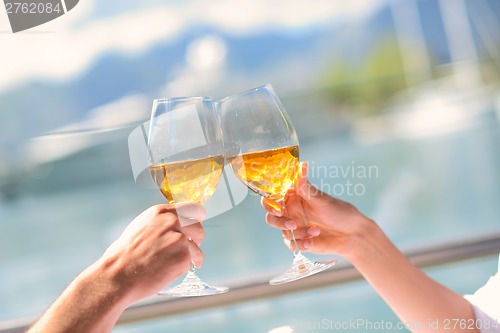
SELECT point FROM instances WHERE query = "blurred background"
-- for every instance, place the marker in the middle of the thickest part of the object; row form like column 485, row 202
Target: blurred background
column 406, row 88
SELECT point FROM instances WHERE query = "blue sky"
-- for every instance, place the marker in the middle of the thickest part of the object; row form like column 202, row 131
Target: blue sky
column 100, row 65
column 67, row 46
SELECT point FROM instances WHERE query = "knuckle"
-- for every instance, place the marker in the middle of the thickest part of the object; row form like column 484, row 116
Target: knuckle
column 171, row 219
column 156, row 210
column 168, row 222
column 161, row 209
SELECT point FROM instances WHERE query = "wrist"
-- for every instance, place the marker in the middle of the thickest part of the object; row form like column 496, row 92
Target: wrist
column 108, row 279
column 373, row 247
column 92, row 302
column 102, row 291
column 364, row 240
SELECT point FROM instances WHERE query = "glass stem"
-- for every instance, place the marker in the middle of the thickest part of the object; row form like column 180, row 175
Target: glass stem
column 191, row 277
column 192, row 270
column 296, row 252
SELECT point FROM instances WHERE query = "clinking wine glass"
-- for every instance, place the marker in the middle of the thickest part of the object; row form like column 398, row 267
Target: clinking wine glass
column 186, row 161
column 263, row 149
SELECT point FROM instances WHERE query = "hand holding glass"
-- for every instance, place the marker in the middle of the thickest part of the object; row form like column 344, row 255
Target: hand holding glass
column 186, row 161
column 263, row 149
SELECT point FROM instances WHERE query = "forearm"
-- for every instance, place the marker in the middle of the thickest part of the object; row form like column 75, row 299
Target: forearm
column 152, row 252
column 92, row 302
column 413, row 296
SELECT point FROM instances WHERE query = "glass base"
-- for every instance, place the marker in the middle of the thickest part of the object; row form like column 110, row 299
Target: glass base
column 301, row 268
column 193, row 286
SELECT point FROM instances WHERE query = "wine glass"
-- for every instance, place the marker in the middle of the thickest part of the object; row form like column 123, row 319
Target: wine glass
column 263, row 149
column 186, row 160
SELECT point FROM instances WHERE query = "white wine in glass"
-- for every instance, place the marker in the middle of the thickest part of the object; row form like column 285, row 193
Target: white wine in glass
column 269, row 173
column 186, row 161
column 191, row 180
column 263, row 149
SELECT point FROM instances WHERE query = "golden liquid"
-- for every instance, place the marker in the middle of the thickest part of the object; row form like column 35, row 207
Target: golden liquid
column 269, row 173
column 193, row 180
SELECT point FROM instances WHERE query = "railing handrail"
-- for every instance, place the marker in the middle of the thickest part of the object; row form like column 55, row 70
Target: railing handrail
column 259, row 288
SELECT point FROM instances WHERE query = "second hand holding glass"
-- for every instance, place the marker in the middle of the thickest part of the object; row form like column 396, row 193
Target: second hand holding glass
column 263, row 149
column 186, row 161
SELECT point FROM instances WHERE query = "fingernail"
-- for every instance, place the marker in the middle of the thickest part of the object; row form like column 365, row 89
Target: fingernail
column 290, row 225
column 313, row 231
column 306, row 244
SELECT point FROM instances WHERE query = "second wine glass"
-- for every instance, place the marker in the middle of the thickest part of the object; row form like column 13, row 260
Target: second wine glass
column 186, row 160
column 263, row 149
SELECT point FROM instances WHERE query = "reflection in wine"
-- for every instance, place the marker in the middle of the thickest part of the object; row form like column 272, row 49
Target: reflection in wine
column 269, row 173
column 192, row 180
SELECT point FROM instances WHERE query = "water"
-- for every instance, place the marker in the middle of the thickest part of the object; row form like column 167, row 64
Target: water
column 424, row 191
column 353, row 307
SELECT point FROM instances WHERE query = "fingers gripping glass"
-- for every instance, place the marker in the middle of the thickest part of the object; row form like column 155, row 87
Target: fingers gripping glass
column 186, row 160
column 262, row 147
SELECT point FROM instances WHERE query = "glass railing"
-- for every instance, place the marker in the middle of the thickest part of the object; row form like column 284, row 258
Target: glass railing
column 430, row 188
column 479, row 251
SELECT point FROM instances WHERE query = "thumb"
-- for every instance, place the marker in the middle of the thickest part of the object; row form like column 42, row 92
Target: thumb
column 304, row 188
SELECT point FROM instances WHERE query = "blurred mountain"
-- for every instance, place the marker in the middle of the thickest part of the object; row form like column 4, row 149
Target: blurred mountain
column 291, row 60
